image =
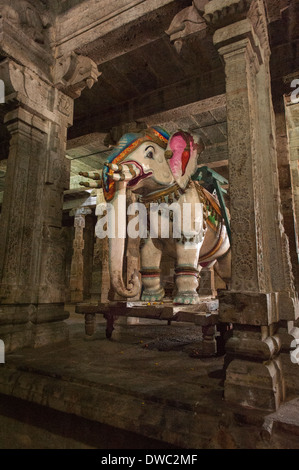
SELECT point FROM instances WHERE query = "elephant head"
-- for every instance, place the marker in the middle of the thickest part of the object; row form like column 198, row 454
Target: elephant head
column 145, row 162
column 138, row 157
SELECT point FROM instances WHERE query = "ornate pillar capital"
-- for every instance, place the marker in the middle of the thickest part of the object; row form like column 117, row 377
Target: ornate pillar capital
column 239, row 19
column 24, row 87
column 220, row 13
column 41, row 97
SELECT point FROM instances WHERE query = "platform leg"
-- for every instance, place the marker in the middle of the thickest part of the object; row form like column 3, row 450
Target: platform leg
column 110, row 325
column 223, row 329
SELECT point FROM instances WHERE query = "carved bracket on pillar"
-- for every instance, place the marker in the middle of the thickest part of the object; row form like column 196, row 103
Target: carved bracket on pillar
column 221, row 13
column 22, row 86
column 74, row 73
column 186, row 23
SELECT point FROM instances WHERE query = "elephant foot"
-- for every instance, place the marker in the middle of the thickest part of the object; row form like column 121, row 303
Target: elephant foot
column 148, row 296
column 186, row 298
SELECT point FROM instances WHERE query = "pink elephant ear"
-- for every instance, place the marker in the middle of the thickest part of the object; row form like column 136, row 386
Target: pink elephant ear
column 183, row 151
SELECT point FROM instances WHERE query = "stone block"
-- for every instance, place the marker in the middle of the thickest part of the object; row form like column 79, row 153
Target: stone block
column 44, row 313
column 14, row 314
column 291, row 374
column 249, row 344
column 49, row 333
column 247, row 308
column 16, row 336
column 253, row 385
column 288, row 307
column 288, row 333
column 206, row 319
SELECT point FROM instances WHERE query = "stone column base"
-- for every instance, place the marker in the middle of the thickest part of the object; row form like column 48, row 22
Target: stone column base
column 32, row 325
column 254, row 385
column 291, row 375
column 254, row 376
column 289, row 336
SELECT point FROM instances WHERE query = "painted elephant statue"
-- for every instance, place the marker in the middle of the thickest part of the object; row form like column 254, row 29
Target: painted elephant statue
column 176, row 215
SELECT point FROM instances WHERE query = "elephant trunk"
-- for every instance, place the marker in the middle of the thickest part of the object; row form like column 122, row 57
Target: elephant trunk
column 117, row 246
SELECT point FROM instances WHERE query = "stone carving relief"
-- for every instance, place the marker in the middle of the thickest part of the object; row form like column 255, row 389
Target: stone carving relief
column 65, row 105
column 25, row 16
column 26, row 87
column 54, row 252
column 73, row 73
column 222, row 13
column 258, row 18
column 186, row 23
column 13, row 77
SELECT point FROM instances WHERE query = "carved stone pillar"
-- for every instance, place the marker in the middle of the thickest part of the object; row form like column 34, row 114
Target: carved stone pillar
column 262, row 292
column 32, row 251
column 289, row 329
column 288, row 181
column 77, row 266
column 292, row 124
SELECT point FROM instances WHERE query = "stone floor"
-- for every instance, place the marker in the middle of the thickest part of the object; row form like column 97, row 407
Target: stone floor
column 140, row 390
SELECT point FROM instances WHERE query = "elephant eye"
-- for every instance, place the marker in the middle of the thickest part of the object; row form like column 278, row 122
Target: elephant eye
column 149, row 152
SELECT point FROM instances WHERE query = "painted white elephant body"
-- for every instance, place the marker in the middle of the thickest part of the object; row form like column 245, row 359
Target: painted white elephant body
column 158, row 169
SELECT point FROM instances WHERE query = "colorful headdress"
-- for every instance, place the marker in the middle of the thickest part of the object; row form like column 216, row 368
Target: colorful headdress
column 127, row 144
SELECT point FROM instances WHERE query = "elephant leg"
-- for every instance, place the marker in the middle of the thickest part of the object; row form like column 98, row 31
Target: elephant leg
column 186, row 275
column 151, row 253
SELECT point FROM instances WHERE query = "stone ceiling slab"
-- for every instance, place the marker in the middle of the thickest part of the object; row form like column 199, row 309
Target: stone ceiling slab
column 94, row 23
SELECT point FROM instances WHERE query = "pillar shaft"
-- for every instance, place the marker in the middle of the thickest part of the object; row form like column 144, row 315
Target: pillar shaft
column 288, row 182
column 32, row 251
column 292, row 123
column 77, row 266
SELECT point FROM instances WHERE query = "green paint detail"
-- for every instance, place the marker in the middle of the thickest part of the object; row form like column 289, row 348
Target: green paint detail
column 153, row 296
column 212, row 219
column 207, row 176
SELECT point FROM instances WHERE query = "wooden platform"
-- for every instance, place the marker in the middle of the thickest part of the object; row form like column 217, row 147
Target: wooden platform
column 204, row 314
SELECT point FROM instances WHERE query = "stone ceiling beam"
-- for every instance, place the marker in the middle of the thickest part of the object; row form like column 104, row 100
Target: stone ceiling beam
column 208, row 113
column 198, row 89
column 199, row 107
column 115, row 15
column 94, row 139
